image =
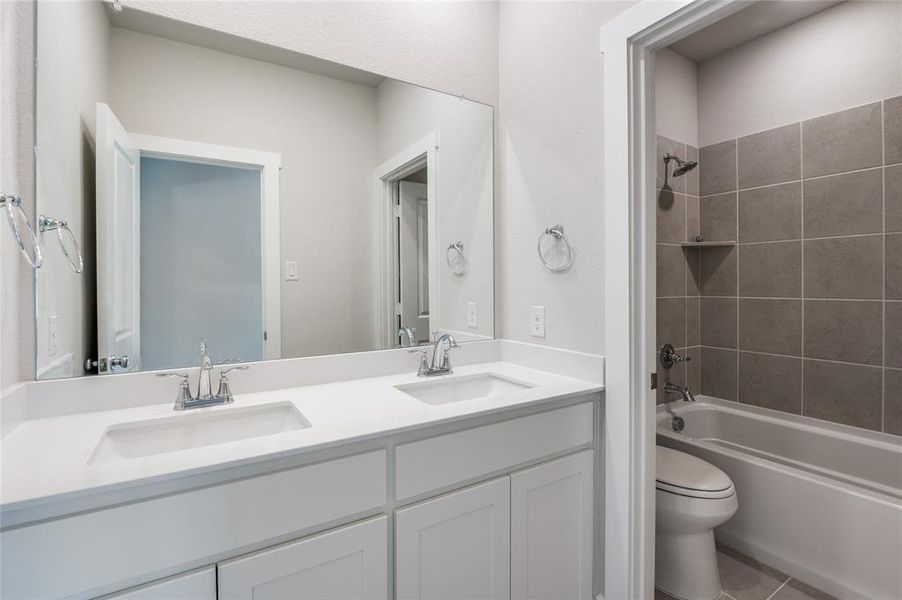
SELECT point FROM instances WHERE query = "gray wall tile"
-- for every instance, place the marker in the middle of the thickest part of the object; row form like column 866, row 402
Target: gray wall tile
column 771, row 213
column 692, row 222
column 718, row 272
column 671, row 271
column 717, row 217
column 771, row 270
column 844, row 268
column 769, row 157
column 693, row 368
column 893, row 337
column 771, row 381
column 892, row 418
column 693, row 271
column 844, row 204
column 894, row 266
column 671, row 319
column 665, row 146
column 848, row 394
column 893, row 199
column 842, row 141
column 693, row 329
column 671, row 217
column 692, row 176
column 773, row 326
column 718, row 322
column 718, row 373
column 717, row 168
column 892, row 129
column 850, row 331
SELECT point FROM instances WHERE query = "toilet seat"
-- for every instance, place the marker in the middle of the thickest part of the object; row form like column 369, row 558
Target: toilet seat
column 685, row 475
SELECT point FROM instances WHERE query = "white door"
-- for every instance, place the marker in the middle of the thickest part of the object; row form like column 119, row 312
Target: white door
column 196, row 585
column 350, row 563
column 551, row 530
column 456, row 546
column 118, row 246
column 413, row 258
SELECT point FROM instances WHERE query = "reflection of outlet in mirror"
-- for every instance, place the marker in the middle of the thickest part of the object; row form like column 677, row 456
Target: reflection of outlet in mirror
column 472, row 315
column 291, row 270
column 537, row 321
column 53, row 327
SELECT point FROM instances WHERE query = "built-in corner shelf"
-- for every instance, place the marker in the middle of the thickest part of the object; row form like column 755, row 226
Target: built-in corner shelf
column 707, row 244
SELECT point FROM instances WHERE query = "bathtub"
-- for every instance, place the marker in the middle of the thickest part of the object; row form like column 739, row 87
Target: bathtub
column 819, row 501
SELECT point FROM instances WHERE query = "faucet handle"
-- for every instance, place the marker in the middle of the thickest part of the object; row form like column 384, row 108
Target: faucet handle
column 237, row 368
column 184, row 376
column 184, row 395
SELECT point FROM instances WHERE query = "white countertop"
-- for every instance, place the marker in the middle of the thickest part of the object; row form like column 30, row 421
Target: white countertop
column 47, row 459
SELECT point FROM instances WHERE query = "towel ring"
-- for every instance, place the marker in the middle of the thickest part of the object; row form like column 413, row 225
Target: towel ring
column 557, row 232
column 455, row 249
column 46, row 223
column 14, row 214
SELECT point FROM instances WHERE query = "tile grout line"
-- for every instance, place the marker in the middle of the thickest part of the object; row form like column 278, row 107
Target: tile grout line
column 802, row 261
column 777, row 591
column 797, row 357
column 738, row 252
column 883, row 181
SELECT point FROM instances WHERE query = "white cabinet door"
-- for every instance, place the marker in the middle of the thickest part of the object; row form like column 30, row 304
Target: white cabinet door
column 196, row 585
column 345, row 564
column 456, row 546
column 551, row 530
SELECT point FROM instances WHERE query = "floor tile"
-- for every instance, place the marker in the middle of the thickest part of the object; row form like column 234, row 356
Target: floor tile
column 744, row 578
column 796, row 590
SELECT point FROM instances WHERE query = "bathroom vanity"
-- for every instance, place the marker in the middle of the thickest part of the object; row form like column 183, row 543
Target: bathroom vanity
column 474, row 484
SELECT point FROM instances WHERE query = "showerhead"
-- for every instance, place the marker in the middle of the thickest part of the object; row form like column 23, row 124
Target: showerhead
column 683, row 166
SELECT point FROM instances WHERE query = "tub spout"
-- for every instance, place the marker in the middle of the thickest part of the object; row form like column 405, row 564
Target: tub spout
column 685, row 392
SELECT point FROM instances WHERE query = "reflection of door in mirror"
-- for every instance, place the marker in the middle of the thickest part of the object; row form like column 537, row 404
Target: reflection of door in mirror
column 169, row 214
column 413, row 259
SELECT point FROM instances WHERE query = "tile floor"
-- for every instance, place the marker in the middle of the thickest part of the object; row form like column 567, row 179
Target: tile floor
column 744, row 578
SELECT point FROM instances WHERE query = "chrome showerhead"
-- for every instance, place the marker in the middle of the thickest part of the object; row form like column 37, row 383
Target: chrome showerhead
column 683, row 166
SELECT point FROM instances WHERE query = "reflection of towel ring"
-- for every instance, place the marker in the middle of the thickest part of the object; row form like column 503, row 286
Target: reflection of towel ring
column 456, row 248
column 14, row 212
column 46, row 223
column 557, row 232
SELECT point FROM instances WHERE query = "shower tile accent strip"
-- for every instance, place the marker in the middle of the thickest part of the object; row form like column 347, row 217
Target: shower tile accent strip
column 804, row 315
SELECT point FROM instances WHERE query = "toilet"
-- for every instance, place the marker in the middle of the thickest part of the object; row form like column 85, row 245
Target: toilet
column 692, row 498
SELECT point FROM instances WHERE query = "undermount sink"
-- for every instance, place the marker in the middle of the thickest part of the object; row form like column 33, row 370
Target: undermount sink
column 458, row 389
column 194, row 430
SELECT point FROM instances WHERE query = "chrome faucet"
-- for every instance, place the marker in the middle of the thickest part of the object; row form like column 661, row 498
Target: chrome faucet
column 441, row 362
column 205, row 395
column 672, row 388
column 407, row 332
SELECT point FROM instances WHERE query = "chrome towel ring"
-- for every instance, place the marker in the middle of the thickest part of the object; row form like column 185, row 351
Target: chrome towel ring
column 46, row 223
column 454, row 256
column 557, row 232
column 18, row 220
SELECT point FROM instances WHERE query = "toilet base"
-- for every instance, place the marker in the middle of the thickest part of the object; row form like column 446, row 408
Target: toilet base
column 686, row 565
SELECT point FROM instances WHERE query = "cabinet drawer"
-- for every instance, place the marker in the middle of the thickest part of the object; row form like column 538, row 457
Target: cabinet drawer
column 129, row 544
column 463, row 456
column 197, row 585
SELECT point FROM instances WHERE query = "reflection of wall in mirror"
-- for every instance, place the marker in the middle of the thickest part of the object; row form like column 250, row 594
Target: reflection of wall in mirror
column 406, row 114
column 73, row 50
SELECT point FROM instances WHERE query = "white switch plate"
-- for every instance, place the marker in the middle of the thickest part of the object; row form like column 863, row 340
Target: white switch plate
column 53, row 329
column 472, row 315
column 537, row 321
column 291, row 270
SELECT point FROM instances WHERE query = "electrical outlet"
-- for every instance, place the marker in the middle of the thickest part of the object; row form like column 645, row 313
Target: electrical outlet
column 53, row 329
column 291, row 270
column 537, row 321
column 472, row 315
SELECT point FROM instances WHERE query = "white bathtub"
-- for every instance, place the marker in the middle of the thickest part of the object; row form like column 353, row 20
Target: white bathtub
column 819, row 501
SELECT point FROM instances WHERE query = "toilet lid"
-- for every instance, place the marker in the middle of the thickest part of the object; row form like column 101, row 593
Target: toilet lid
column 683, row 473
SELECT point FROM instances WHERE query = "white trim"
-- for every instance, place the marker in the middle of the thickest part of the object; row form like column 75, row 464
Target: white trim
column 269, row 163
column 628, row 43
column 405, row 162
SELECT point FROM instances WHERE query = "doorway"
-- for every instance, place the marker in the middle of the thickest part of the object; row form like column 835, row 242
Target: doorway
column 412, row 250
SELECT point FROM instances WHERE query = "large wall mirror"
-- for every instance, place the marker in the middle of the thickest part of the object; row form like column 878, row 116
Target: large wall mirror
column 194, row 186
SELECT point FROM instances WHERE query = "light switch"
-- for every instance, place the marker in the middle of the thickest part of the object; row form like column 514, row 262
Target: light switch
column 537, row 321
column 472, row 315
column 53, row 334
column 291, row 270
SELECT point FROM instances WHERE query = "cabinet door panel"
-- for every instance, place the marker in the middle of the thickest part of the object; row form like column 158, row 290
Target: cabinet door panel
column 196, row 585
column 456, row 546
column 551, row 530
column 345, row 564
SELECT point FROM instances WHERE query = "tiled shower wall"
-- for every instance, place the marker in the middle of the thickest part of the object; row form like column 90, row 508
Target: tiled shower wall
column 804, row 314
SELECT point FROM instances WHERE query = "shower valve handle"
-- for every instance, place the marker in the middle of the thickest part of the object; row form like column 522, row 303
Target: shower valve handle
column 670, row 357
